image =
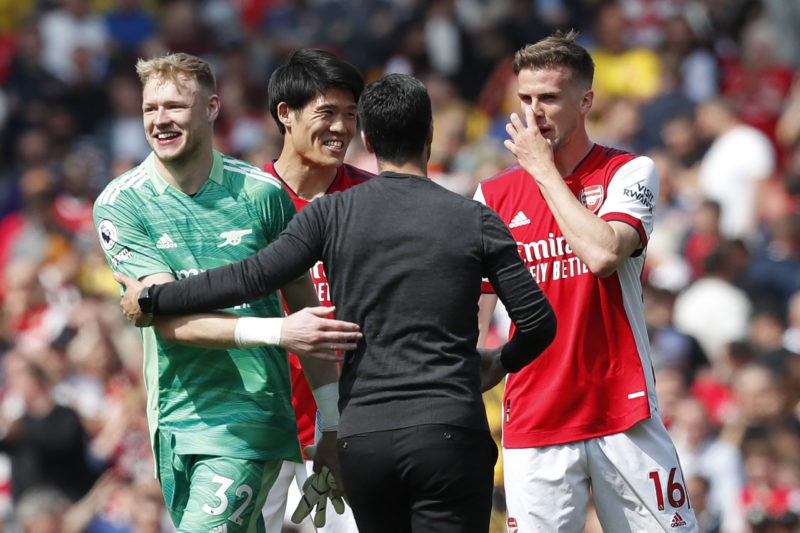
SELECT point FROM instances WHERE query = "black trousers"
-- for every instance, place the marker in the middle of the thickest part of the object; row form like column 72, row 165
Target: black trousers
column 430, row 478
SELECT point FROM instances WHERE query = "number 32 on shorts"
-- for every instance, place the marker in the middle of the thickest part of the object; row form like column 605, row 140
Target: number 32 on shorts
column 242, row 491
column 674, row 489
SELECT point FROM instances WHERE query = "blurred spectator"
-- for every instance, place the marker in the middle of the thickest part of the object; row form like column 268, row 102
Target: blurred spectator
column 287, row 26
column 712, row 308
column 46, row 442
column 756, row 81
column 70, row 31
column 774, row 272
column 671, row 389
column 681, row 139
column 115, row 505
column 42, row 510
column 31, row 232
column 770, row 505
column 713, row 386
column 622, row 69
column 704, row 454
column 30, row 319
column 668, row 104
column 121, row 132
column 29, row 87
column 444, row 37
column 703, row 237
column 648, row 19
column 787, row 127
column 734, row 168
column 72, row 206
column 182, row 29
column 129, row 25
column 708, row 520
column 666, row 267
column 242, row 125
column 32, row 151
column 766, row 331
column 619, row 125
column 410, row 54
column 791, row 337
column 762, row 410
column 524, row 25
column 696, row 68
column 671, row 348
column 782, row 17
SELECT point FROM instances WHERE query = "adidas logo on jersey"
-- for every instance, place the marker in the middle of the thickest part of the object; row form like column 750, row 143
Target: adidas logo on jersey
column 519, row 220
column 165, row 242
column 219, row 529
column 677, row 521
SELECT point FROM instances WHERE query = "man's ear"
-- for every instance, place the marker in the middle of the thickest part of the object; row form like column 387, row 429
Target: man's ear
column 367, row 145
column 284, row 114
column 214, row 105
column 586, row 102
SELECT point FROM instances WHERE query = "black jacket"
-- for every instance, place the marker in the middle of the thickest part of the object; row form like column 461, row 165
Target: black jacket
column 404, row 259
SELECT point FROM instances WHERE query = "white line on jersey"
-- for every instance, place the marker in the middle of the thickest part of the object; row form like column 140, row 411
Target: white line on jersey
column 250, row 170
column 133, row 180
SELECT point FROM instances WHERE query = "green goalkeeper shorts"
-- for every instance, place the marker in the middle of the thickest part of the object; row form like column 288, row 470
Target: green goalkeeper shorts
column 206, row 493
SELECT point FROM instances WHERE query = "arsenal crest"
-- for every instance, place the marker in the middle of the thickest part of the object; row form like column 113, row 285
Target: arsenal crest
column 592, row 197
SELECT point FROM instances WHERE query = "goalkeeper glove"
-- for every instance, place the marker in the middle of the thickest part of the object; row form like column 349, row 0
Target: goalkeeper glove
column 316, row 491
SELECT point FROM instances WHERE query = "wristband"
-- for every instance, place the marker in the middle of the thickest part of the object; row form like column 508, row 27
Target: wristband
column 257, row 331
column 327, row 398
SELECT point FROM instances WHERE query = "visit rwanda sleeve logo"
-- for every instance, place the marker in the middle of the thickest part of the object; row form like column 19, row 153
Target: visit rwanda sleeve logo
column 592, row 197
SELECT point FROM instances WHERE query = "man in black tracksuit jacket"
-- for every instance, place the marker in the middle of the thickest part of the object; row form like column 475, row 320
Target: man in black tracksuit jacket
column 404, row 259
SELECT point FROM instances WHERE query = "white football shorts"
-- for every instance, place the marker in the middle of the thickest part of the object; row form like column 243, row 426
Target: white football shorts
column 634, row 477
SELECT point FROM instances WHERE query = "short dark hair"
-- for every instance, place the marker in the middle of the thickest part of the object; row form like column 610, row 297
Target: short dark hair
column 558, row 50
column 396, row 116
column 307, row 73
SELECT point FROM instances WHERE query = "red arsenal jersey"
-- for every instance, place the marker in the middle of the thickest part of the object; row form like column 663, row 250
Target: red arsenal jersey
column 596, row 378
column 305, row 408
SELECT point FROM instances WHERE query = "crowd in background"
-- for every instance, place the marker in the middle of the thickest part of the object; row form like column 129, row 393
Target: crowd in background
column 710, row 89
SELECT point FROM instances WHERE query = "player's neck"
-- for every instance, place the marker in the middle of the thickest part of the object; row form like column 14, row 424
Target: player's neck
column 568, row 156
column 415, row 168
column 307, row 181
column 187, row 174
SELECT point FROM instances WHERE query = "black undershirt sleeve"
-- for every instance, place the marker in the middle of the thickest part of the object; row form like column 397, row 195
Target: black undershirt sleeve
column 284, row 260
column 525, row 302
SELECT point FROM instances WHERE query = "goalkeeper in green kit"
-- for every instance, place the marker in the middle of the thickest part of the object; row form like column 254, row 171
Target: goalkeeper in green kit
column 220, row 413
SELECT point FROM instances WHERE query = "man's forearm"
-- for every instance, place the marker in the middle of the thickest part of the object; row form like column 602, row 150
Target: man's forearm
column 245, row 281
column 220, row 330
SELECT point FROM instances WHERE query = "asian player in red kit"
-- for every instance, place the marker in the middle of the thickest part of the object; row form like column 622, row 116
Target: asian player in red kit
column 313, row 98
column 583, row 416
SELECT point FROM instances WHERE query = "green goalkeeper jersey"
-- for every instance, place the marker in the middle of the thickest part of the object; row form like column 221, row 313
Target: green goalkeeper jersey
column 237, row 402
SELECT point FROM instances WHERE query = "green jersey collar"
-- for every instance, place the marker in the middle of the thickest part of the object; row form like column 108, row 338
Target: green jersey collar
column 160, row 184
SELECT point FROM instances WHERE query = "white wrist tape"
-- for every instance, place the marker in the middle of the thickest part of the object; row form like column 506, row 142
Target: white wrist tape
column 257, row 331
column 327, row 398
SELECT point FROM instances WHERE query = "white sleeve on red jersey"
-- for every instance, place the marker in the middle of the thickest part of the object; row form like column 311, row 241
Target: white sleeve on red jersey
column 632, row 195
column 478, row 196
